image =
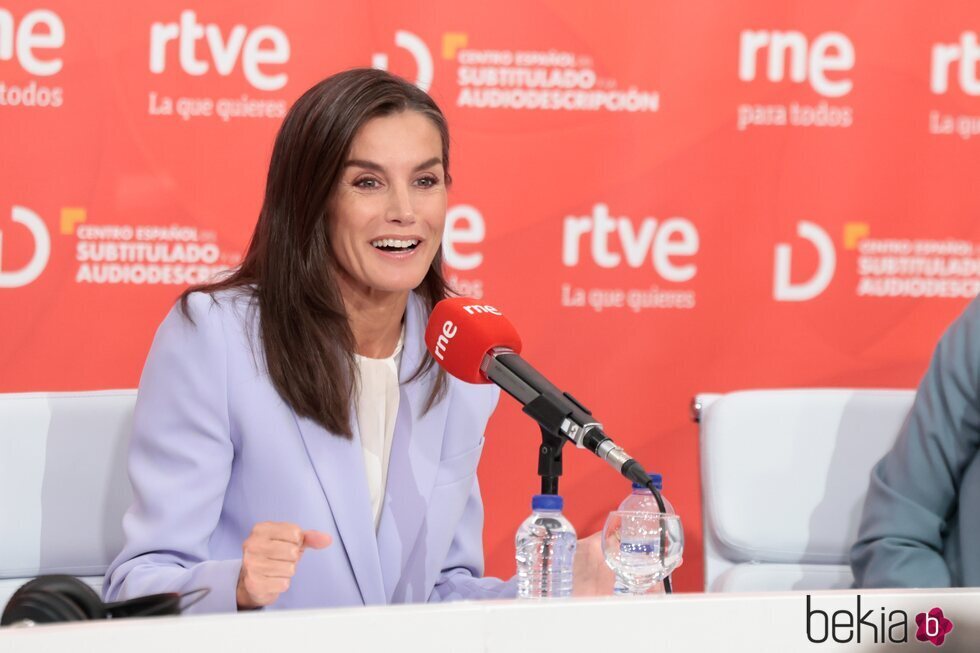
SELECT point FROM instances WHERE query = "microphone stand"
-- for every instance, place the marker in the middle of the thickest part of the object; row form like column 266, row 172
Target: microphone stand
column 549, row 469
column 549, row 461
column 549, row 412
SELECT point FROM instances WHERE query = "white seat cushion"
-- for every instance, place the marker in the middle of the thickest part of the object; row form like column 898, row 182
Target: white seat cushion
column 772, row 577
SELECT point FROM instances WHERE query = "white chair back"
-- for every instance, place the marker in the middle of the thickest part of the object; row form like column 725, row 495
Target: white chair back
column 63, row 484
column 784, row 474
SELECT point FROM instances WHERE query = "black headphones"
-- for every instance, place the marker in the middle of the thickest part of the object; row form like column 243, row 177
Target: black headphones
column 54, row 598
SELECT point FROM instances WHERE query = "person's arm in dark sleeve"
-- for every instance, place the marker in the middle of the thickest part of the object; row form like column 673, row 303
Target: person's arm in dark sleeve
column 913, row 489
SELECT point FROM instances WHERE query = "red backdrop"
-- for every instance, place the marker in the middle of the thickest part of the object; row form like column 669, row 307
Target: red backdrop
column 666, row 198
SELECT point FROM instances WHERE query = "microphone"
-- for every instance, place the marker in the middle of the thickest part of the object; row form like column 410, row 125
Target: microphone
column 475, row 343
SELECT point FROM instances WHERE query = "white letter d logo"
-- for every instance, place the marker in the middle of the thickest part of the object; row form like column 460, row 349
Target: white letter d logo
column 783, row 289
column 417, row 48
column 42, row 250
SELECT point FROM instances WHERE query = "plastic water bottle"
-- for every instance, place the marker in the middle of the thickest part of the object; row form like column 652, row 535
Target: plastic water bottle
column 545, row 545
column 641, row 500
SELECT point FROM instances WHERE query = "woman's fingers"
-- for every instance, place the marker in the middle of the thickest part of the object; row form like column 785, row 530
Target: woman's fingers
column 269, row 558
column 275, row 550
column 316, row 540
column 272, row 568
column 282, row 531
column 592, row 576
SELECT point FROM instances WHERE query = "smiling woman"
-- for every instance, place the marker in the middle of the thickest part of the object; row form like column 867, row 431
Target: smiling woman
column 361, row 156
column 291, row 406
column 389, row 209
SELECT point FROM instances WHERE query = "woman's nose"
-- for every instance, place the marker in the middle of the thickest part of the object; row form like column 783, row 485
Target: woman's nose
column 400, row 207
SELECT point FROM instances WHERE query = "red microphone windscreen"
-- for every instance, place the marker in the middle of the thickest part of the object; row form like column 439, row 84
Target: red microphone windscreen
column 462, row 330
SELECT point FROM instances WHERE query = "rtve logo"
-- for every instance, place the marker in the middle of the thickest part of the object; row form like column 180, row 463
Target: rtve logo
column 40, row 29
column 42, row 250
column 662, row 242
column 419, row 51
column 965, row 56
column 784, row 290
column 829, row 52
column 265, row 45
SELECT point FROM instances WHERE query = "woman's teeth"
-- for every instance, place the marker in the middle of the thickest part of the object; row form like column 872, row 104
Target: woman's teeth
column 391, row 244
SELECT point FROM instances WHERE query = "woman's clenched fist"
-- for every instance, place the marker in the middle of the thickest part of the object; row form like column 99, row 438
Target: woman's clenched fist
column 269, row 557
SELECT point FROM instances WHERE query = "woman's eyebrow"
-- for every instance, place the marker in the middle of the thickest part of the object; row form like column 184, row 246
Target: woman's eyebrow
column 428, row 164
column 371, row 165
column 360, row 163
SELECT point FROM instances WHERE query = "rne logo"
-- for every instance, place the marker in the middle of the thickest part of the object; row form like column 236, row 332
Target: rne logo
column 965, row 56
column 478, row 309
column 662, row 242
column 42, row 250
column 784, row 290
column 24, row 39
column 265, row 45
column 419, row 51
column 829, row 52
column 449, row 331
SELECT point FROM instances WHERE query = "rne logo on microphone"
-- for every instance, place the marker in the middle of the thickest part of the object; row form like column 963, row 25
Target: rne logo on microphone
column 808, row 61
column 42, row 250
column 265, row 45
column 449, row 331
column 477, row 309
column 419, row 51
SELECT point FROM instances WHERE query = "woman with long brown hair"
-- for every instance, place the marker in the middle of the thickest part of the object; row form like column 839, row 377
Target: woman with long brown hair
column 293, row 443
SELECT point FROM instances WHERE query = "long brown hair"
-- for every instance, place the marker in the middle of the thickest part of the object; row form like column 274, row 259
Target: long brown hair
column 289, row 265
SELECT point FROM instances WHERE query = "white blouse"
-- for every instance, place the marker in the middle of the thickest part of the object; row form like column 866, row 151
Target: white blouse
column 376, row 407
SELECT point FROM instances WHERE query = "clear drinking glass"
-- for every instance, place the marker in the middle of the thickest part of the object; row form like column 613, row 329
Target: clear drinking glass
column 642, row 548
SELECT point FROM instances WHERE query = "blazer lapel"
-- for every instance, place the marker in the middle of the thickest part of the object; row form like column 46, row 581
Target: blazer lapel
column 416, row 451
column 339, row 466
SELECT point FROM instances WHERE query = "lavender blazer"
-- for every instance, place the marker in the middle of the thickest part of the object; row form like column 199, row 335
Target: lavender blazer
column 215, row 450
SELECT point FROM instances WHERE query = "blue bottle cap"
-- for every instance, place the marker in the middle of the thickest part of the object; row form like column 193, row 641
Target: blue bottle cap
column 658, row 482
column 546, row 502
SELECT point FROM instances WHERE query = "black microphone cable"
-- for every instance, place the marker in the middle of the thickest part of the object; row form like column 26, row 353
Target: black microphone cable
column 668, row 589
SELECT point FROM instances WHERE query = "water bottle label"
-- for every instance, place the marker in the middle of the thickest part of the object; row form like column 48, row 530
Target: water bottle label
column 643, row 547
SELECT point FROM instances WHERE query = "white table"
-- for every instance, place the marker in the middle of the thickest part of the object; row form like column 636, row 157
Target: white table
column 685, row 622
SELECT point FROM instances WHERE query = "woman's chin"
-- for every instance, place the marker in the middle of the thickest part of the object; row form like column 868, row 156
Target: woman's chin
column 401, row 283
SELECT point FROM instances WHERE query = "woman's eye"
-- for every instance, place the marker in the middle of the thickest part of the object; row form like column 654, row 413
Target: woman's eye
column 427, row 182
column 366, row 182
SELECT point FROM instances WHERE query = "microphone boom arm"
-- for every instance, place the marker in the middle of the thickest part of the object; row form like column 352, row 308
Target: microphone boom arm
column 558, row 413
